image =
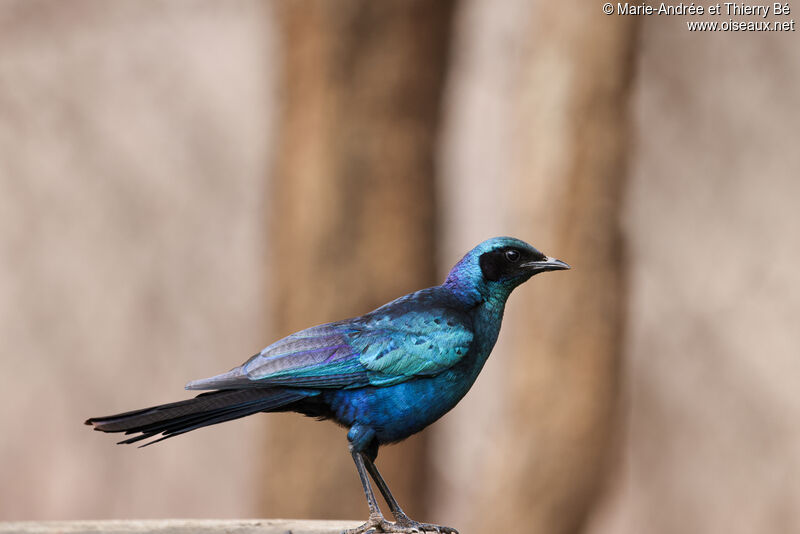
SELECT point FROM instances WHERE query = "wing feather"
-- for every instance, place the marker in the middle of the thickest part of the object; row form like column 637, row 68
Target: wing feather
column 414, row 344
column 385, row 347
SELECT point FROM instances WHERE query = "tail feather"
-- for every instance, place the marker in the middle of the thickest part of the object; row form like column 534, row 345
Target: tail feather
column 184, row 416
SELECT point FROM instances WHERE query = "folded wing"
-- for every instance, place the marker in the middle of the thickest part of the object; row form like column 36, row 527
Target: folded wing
column 378, row 349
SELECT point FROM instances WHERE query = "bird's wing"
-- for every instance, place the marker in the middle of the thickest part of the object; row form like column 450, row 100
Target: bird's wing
column 316, row 357
column 395, row 348
column 377, row 349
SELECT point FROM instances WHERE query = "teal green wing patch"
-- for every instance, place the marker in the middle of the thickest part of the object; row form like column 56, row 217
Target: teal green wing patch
column 393, row 349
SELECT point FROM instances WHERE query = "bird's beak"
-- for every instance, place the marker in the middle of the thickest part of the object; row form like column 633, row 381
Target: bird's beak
column 548, row 264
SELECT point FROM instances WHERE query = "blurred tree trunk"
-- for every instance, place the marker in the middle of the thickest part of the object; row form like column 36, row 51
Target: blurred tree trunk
column 565, row 341
column 352, row 214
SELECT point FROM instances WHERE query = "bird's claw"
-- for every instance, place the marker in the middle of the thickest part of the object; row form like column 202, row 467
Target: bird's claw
column 373, row 525
column 409, row 525
column 403, row 525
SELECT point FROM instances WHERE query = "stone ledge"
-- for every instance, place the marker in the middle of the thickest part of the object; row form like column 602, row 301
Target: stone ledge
column 179, row 526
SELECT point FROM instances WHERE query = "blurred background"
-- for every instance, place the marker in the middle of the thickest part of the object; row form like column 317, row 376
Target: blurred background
column 183, row 182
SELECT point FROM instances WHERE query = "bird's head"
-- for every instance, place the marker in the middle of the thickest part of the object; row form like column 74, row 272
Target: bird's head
column 498, row 265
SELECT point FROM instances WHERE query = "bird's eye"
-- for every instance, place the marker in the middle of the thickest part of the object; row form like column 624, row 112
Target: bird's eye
column 512, row 255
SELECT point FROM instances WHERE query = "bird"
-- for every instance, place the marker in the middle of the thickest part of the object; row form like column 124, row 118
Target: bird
column 383, row 376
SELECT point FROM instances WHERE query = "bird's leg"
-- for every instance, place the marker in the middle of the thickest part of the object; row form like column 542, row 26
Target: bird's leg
column 397, row 512
column 364, row 450
column 376, row 521
column 408, row 524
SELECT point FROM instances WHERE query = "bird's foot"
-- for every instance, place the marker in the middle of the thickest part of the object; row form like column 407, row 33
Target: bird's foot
column 375, row 523
column 409, row 525
column 404, row 525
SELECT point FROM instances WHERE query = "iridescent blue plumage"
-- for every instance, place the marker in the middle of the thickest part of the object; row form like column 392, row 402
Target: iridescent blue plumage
column 384, row 375
column 421, row 334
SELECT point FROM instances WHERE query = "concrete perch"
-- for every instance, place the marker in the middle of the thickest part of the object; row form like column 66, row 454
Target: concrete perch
column 179, row 526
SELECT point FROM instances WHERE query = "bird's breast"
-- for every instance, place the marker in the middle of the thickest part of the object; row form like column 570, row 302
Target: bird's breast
column 398, row 411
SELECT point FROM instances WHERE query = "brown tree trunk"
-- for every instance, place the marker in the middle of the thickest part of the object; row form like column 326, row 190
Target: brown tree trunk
column 565, row 330
column 352, row 214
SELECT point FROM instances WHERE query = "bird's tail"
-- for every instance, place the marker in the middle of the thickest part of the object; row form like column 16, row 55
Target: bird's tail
column 206, row 409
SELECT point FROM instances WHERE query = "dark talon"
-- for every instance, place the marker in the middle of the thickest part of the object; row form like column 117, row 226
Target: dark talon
column 416, row 526
column 404, row 525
